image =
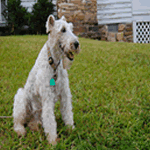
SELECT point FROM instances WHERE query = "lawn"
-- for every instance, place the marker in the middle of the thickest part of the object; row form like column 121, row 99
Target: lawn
column 110, row 85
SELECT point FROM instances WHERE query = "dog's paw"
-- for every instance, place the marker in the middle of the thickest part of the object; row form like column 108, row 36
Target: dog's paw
column 52, row 139
column 70, row 128
column 55, row 142
column 20, row 131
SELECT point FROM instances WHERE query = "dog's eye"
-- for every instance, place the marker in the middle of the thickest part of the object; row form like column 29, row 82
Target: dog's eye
column 63, row 30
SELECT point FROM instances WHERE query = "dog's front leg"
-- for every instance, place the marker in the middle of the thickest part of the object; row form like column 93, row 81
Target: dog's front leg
column 66, row 104
column 48, row 118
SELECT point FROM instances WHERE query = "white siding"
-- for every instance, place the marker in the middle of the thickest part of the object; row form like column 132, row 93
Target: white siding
column 114, row 11
column 55, row 8
column 28, row 4
column 2, row 7
column 141, row 10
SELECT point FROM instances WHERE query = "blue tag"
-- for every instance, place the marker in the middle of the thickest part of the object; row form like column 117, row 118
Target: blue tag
column 52, row 82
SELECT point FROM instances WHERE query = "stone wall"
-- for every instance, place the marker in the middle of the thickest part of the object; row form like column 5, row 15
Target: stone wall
column 124, row 34
column 82, row 13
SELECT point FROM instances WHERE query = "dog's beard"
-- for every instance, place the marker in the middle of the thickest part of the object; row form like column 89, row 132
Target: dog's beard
column 68, row 53
column 67, row 62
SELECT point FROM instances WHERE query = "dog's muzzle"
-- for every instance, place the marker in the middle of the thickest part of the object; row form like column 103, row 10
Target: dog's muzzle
column 74, row 48
column 70, row 56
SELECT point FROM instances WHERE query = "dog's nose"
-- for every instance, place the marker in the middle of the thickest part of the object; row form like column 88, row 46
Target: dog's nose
column 76, row 44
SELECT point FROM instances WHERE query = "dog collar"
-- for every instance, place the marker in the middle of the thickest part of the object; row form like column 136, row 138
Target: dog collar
column 51, row 61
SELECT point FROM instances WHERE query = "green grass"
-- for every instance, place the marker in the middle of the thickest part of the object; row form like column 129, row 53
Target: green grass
column 110, row 84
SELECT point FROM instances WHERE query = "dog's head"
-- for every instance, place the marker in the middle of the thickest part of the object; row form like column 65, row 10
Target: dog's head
column 62, row 31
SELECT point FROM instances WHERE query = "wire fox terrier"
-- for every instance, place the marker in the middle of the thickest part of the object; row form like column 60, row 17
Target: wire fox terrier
column 47, row 82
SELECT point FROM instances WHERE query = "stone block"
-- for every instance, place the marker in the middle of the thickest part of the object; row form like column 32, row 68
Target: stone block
column 66, row 5
column 124, row 39
column 105, row 27
column 100, row 26
column 130, row 40
column 104, row 35
column 128, row 33
column 94, row 28
column 119, row 36
column 80, row 29
column 92, row 22
column 70, row 19
column 129, row 25
column 103, row 39
column 111, row 37
column 129, row 36
column 111, row 34
column 82, row 7
column 121, row 27
column 129, row 29
column 98, row 35
column 79, row 2
column 77, row 12
column 94, row 1
column 90, row 33
column 88, row 17
column 80, row 16
column 68, row 14
column 103, row 31
column 72, row 8
column 83, row 34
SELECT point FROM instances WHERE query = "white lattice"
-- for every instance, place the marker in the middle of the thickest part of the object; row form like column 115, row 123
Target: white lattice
column 141, row 32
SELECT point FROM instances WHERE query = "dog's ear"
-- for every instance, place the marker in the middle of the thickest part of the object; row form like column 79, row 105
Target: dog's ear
column 71, row 26
column 63, row 18
column 50, row 23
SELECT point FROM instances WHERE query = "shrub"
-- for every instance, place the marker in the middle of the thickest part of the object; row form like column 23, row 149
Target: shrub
column 41, row 10
column 15, row 15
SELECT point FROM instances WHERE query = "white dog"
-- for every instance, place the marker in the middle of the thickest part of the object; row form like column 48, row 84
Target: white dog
column 47, row 82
